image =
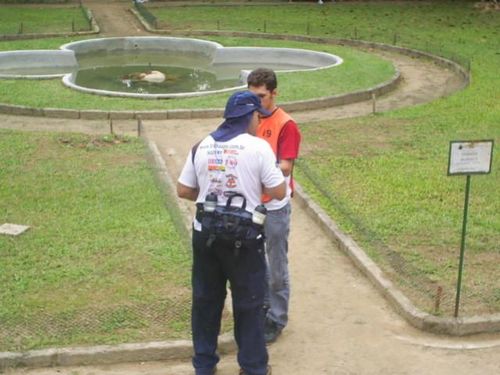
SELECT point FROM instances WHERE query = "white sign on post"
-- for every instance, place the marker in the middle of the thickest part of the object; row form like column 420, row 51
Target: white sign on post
column 470, row 157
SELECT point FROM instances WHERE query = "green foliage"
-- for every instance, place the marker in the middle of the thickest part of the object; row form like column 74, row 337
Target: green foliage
column 383, row 177
column 361, row 70
column 102, row 254
column 386, row 174
column 27, row 20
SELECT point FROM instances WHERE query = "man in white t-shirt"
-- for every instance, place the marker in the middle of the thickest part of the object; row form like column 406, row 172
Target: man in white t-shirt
column 230, row 161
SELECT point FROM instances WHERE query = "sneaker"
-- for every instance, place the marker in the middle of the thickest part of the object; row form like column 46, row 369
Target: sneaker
column 242, row 372
column 214, row 371
column 271, row 331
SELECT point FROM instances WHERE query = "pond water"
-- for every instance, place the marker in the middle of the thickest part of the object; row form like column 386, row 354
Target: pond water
column 182, row 72
column 156, row 67
column 134, row 79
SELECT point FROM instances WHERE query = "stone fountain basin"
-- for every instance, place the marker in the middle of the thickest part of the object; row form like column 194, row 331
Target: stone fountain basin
column 224, row 62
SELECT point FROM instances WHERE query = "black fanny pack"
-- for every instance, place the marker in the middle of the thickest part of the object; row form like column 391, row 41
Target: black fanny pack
column 229, row 223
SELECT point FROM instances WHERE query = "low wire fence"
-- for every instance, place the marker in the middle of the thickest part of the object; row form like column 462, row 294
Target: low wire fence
column 313, row 29
column 72, row 24
column 158, row 310
column 158, row 320
column 431, row 292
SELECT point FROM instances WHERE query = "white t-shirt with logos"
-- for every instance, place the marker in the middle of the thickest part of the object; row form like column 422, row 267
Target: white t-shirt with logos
column 241, row 165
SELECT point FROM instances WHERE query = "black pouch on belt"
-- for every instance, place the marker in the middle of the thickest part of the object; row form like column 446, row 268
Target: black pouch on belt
column 229, row 223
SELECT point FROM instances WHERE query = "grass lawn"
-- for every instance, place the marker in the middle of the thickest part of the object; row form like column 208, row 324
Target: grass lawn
column 383, row 177
column 105, row 260
column 104, row 252
column 360, row 70
column 40, row 19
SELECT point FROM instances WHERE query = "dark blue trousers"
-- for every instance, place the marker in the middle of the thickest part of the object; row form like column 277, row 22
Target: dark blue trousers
column 246, row 272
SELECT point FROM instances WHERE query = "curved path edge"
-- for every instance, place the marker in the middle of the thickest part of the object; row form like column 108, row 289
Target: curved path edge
column 464, row 72
column 182, row 349
column 171, row 114
column 460, row 326
column 113, row 354
column 294, row 106
column 108, row 354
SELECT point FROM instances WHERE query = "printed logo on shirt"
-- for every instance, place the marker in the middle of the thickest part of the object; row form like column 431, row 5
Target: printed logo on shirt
column 214, row 152
column 267, row 133
column 215, row 180
column 216, row 168
column 231, row 182
column 231, row 152
column 215, row 161
column 231, row 162
column 221, row 146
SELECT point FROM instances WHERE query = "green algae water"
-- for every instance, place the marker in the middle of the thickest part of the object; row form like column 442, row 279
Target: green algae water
column 135, row 79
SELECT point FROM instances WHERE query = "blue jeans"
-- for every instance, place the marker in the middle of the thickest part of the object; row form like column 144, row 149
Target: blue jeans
column 246, row 272
column 277, row 229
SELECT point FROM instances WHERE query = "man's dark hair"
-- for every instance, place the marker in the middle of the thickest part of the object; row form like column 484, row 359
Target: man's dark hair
column 263, row 76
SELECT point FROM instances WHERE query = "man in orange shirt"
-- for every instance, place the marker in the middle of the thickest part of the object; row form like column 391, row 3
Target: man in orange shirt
column 282, row 133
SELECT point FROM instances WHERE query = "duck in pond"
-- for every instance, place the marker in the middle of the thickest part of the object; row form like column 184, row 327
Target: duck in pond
column 153, row 76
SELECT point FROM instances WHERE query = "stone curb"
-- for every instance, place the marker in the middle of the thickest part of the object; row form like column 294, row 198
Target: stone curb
column 413, row 315
column 302, row 105
column 111, row 354
column 452, row 326
column 179, row 114
column 108, row 354
column 441, row 61
column 95, row 30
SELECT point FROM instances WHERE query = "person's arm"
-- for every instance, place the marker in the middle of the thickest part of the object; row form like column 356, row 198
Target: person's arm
column 286, row 166
column 187, row 192
column 277, row 192
column 273, row 182
column 187, row 184
column 288, row 146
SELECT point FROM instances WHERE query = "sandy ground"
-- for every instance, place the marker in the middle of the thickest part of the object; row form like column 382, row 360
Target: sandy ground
column 339, row 324
column 114, row 18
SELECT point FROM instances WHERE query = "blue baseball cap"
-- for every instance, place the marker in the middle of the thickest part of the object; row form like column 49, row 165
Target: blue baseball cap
column 242, row 103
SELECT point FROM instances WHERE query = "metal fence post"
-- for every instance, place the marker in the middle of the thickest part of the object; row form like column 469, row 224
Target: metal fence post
column 437, row 301
column 462, row 245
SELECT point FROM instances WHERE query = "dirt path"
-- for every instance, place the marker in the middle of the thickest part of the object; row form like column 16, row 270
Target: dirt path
column 114, row 18
column 339, row 324
column 422, row 82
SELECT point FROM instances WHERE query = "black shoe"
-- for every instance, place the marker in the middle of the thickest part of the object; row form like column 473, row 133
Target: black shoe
column 269, row 371
column 271, row 331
